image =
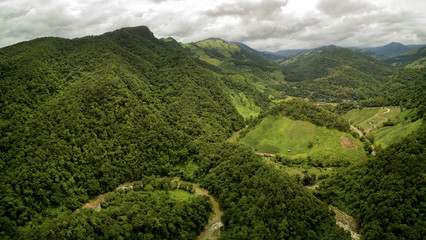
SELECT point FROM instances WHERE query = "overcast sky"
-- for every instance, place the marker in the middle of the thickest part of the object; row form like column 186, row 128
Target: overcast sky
column 262, row 24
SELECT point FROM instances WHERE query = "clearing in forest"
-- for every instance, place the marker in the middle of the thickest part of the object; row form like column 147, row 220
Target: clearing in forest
column 281, row 135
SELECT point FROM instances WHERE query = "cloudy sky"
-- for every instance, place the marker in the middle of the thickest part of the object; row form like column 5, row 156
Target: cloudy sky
column 262, row 24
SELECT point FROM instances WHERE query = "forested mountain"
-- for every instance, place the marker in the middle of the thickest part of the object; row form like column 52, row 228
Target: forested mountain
column 390, row 50
column 79, row 117
column 406, row 88
column 290, row 52
column 333, row 73
column 265, row 54
column 386, row 194
column 415, row 59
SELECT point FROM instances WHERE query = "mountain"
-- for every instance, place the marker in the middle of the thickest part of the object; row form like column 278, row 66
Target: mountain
column 391, row 50
column 332, row 73
column 370, row 53
column 222, row 53
column 265, row 54
column 415, row 58
column 289, row 52
column 80, row 117
column 249, row 75
column 406, row 88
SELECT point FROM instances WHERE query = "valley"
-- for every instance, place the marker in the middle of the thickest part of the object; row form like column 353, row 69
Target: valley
column 126, row 136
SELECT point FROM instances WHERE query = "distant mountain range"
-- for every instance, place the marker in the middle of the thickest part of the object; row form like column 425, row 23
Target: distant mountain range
column 382, row 52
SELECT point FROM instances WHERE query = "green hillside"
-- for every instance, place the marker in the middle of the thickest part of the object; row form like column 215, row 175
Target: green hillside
column 406, row 88
column 372, row 118
column 386, row 125
column 414, row 59
column 80, row 117
column 385, row 136
column 250, row 76
column 385, row 194
column 333, row 74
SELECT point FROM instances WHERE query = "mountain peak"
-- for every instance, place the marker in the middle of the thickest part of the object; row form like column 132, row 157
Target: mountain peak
column 142, row 31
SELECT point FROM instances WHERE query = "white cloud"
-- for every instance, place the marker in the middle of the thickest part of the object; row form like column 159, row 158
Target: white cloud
column 262, row 24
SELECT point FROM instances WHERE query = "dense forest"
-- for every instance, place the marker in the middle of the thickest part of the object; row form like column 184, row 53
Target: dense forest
column 152, row 210
column 386, row 194
column 81, row 116
column 259, row 201
column 333, row 74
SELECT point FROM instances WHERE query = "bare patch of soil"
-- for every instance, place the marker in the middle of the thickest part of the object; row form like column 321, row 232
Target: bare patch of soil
column 347, row 143
column 346, row 222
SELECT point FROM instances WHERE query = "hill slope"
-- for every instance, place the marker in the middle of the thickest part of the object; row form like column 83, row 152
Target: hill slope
column 385, row 194
column 390, row 50
column 333, row 73
column 249, row 75
column 415, row 59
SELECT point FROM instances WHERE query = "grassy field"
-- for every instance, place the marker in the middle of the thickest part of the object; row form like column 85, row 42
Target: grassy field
column 371, row 121
column 388, row 135
column 371, row 118
column 180, row 195
column 278, row 135
column 244, row 109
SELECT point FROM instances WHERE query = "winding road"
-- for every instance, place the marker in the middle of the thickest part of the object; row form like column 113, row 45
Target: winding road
column 211, row 231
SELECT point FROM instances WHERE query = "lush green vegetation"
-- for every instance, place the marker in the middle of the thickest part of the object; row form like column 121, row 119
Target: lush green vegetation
column 298, row 109
column 143, row 213
column 387, row 135
column 414, row 58
column 300, row 129
column 79, row 117
column 249, row 76
column 406, row 89
column 260, row 202
column 386, row 194
column 372, row 118
column 384, row 127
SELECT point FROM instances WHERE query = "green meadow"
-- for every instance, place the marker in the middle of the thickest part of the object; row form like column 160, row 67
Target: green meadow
column 280, row 135
column 372, row 117
column 388, row 135
column 371, row 121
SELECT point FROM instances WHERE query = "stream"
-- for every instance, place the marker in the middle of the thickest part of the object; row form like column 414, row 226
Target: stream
column 210, row 231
